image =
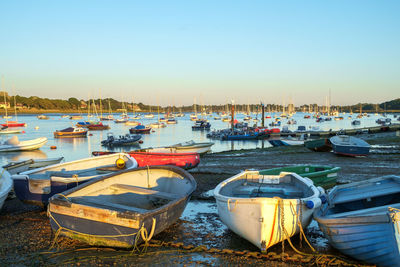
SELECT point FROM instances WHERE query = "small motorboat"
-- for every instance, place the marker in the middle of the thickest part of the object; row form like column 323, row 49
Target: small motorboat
column 38, row 185
column 140, row 129
column 98, row 126
column 15, row 167
column 252, row 205
column 236, row 136
column 356, row 122
column 149, row 115
column 362, row 220
column 132, row 123
column 121, row 120
column 13, row 144
column 6, row 130
column 122, row 209
column 107, row 118
column 349, row 146
column 75, row 117
column 157, row 125
column 83, row 124
column 201, row 125
column 172, row 121
column 71, row 132
column 122, row 140
column 6, row 185
column 43, row 117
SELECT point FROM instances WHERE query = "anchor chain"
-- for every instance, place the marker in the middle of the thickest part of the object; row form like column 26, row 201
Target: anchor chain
column 270, row 256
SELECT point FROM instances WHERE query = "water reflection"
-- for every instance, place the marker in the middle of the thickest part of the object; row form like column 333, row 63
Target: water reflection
column 23, row 155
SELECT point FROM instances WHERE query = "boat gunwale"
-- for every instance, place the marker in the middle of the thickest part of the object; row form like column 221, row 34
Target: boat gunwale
column 327, row 170
column 306, row 181
column 26, row 174
column 62, row 200
column 320, row 217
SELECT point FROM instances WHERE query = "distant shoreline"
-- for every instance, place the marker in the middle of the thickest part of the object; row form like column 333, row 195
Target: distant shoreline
column 49, row 111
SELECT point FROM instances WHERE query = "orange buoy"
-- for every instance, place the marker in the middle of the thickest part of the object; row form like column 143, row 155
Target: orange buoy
column 23, row 132
column 90, row 134
column 140, row 141
column 53, row 147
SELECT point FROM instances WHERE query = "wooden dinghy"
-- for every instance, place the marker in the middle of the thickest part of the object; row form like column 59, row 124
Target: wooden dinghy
column 38, row 185
column 362, row 220
column 5, row 185
column 124, row 209
column 252, row 205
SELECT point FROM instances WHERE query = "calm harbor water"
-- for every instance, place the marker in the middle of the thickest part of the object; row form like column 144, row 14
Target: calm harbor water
column 77, row 148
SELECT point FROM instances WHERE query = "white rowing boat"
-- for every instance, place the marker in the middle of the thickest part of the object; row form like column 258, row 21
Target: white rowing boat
column 266, row 209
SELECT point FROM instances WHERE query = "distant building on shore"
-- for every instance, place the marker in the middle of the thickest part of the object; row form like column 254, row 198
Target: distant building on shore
column 4, row 105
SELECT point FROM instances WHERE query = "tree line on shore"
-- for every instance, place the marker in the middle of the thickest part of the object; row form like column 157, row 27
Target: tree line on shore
column 38, row 103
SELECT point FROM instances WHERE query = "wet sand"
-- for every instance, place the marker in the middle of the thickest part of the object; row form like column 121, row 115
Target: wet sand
column 26, row 236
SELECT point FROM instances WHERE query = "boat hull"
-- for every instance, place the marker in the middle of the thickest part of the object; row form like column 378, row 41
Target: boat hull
column 37, row 191
column 98, row 127
column 25, row 145
column 253, row 206
column 13, row 124
column 120, row 219
column 182, row 160
column 5, row 186
column 256, row 217
column 349, row 146
column 352, row 151
column 124, row 236
column 140, row 131
column 319, row 145
column 69, row 134
column 371, row 239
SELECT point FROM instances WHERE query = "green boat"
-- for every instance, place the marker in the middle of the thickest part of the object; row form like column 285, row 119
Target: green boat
column 319, row 145
column 324, row 176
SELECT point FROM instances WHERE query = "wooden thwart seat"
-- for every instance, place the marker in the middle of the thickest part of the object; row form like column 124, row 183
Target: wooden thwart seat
column 144, row 191
column 102, row 204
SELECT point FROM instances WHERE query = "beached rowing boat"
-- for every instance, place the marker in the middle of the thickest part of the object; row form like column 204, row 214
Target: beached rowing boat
column 123, row 209
column 38, row 185
column 362, row 220
column 253, row 205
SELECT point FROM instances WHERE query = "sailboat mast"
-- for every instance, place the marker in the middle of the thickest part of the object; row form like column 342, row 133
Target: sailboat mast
column 15, row 109
column 5, row 105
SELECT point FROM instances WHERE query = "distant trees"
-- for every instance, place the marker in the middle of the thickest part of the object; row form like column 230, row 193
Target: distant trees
column 74, row 102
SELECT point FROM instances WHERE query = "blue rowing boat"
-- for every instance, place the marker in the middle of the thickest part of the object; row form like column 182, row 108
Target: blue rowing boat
column 349, row 146
column 362, row 220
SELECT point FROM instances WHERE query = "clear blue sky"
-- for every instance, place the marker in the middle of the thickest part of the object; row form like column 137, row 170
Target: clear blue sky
column 169, row 52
